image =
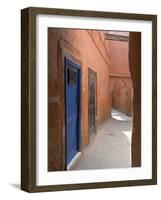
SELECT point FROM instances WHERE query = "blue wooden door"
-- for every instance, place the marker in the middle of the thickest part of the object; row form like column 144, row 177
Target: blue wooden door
column 72, row 77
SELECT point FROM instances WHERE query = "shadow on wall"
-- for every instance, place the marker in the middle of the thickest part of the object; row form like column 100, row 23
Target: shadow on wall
column 122, row 97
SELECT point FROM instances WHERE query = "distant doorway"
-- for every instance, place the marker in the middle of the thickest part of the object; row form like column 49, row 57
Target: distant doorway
column 92, row 99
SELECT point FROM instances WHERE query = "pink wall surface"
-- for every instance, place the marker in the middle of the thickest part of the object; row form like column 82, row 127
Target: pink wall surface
column 120, row 77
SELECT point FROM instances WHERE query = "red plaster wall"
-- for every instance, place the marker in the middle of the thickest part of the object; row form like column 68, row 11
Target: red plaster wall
column 122, row 94
column 88, row 47
column 93, row 54
column 121, row 89
column 119, row 62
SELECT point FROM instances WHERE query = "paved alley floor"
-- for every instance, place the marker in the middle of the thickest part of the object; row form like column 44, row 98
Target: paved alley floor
column 111, row 147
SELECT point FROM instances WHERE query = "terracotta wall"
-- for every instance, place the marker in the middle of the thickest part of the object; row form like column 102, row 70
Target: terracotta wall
column 88, row 49
column 121, row 88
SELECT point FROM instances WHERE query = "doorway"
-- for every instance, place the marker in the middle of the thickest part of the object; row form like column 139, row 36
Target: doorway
column 72, row 85
column 92, row 100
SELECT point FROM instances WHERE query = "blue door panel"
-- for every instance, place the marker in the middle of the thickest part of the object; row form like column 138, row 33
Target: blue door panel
column 72, row 108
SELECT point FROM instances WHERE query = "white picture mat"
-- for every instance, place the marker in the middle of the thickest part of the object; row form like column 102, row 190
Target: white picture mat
column 43, row 177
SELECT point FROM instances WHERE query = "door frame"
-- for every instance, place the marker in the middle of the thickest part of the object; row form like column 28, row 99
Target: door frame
column 95, row 73
column 77, row 66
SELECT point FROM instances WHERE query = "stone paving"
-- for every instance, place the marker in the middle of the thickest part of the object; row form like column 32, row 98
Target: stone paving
column 111, row 147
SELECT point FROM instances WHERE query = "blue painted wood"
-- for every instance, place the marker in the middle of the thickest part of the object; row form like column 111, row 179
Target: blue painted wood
column 72, row 81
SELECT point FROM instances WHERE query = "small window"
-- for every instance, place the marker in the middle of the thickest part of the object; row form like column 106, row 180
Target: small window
column 72, row 75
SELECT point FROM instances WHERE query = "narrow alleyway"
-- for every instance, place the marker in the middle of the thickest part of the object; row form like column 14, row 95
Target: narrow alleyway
column 111, row 147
